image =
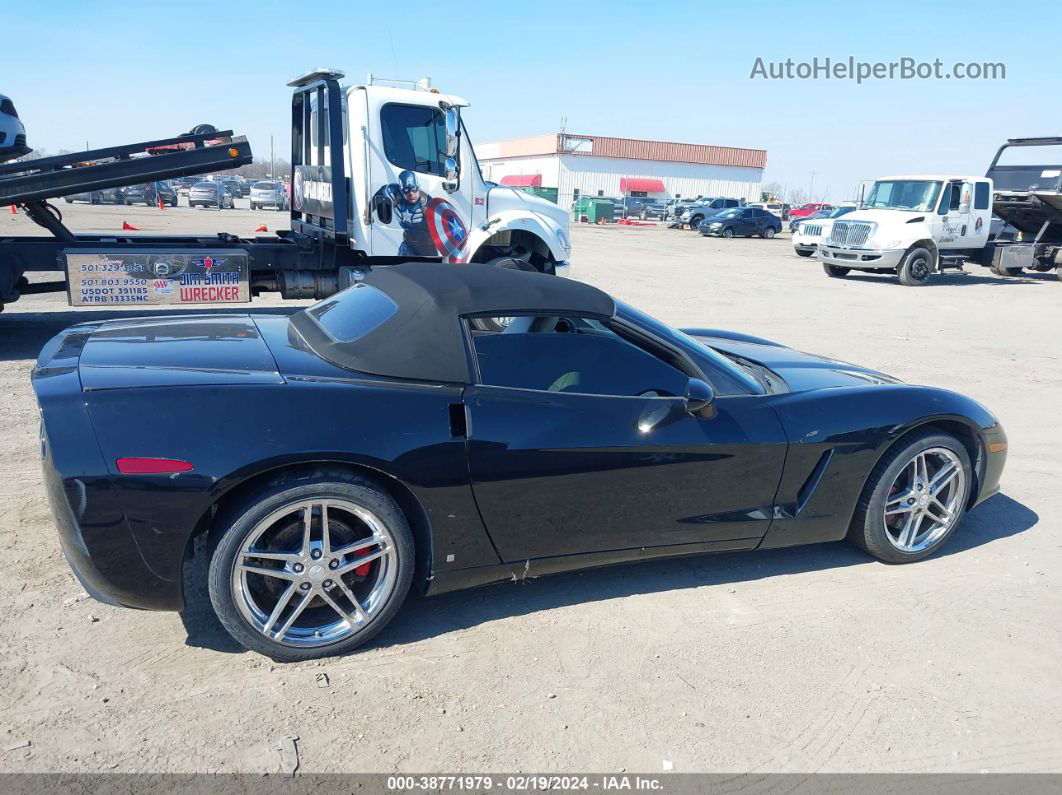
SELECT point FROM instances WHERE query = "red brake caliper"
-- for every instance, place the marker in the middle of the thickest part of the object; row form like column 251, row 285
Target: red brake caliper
column 363, row 569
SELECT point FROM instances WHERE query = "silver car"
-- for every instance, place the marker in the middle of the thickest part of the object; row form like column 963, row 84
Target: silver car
column 269, row 194
column 205, row 194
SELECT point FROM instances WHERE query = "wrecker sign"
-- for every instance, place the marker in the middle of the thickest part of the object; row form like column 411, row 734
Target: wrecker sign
column 103, row 278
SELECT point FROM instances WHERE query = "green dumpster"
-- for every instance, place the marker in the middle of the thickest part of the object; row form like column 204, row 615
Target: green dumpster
column 549, row 194
column 593, row 210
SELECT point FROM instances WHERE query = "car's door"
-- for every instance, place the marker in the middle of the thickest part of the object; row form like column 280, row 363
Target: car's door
column 745, row 223
column 582, row 442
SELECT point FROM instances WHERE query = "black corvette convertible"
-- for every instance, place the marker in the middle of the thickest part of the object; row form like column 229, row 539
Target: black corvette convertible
column 455, row 426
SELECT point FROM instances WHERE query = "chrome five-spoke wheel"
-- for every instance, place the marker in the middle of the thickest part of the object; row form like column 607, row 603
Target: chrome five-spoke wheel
column 314, row 572
column 312, row 568
column 924, row 500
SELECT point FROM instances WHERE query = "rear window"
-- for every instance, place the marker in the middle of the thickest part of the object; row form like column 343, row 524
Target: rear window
column 264, row 186
column 205, row 186
column 353, row 313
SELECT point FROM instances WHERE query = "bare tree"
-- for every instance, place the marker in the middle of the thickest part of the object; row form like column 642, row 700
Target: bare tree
column 797, row 196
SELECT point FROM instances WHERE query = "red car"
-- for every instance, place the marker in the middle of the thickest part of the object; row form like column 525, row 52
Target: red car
column 804, row 210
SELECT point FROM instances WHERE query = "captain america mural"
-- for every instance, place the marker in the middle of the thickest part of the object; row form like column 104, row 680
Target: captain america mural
column 431, row 227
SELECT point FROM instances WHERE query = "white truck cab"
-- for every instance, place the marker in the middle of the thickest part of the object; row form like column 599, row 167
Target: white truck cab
column 912, row 226
column 413, row 188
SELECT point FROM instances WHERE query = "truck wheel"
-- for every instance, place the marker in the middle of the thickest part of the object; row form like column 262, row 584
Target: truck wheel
column 835, row 271
column 915, row 269
column 695, row 221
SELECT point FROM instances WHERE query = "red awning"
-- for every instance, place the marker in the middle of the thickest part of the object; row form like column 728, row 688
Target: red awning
column 641, row 184
column 522, row 180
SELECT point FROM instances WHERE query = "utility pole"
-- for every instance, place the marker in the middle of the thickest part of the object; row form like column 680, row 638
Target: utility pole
column 811, row 190
column 272, row 167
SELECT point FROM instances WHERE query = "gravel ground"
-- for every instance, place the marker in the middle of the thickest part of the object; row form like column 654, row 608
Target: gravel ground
column 811, row 659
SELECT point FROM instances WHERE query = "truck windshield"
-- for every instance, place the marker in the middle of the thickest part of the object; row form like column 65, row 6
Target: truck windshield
column 908, row 194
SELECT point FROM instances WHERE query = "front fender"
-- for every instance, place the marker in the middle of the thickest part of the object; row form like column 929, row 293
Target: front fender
column 838, row 435
column 546, row 229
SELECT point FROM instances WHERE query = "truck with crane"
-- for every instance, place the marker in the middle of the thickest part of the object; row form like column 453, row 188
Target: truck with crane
column 915, row 226
column 382, row 173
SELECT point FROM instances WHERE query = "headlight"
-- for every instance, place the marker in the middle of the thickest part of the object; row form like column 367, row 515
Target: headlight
column 716, row 224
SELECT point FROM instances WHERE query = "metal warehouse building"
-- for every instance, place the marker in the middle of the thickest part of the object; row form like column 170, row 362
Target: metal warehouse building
column 596, row 165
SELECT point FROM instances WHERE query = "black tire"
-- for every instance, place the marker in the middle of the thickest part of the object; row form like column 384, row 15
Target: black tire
column 173, row 202
column 803, row 253
column 68, row 200
column 916, row 268
column 254, row 206
column 835, row 271
column 768, row 233
column 868, row 531
column 695, row 221
column 727, row 232
column 95, row 198
column 287, row 489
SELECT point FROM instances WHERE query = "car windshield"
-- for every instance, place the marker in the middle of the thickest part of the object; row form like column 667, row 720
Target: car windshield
column 907, row 194
column 716, row 364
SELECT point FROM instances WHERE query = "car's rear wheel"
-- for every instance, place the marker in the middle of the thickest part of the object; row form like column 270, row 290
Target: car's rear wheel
column 312, row 565
column 914, row 499
column 835, row 271
column 768, row 233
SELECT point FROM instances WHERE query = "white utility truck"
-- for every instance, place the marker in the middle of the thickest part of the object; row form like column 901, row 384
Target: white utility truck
column 382, row 173
column 915, row 226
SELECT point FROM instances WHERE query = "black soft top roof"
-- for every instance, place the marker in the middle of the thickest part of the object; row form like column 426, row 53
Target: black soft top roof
column 424, row 339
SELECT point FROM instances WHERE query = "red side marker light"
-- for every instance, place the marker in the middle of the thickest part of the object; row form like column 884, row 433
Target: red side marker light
column 152, row 466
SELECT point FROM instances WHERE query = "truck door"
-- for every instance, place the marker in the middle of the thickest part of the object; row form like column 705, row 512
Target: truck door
column 420, row 206
column 955, row 214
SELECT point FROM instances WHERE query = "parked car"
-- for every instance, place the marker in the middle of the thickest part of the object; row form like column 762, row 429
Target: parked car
column 794, row 221
column 805, row 210
column 742, row 222
column 583, row 433
column 102, row 196
column 638, row 207
column 694, row 214
column 809, row 231
column 233, row 186
column 12, row 132
column 150, row 194
column 205, row 194
column 776, row 209
column 269, row 194
column 676, row 206
column 184, row 184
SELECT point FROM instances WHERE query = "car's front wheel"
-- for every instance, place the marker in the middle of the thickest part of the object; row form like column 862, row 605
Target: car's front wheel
column 914, row 499
column 728, row 232
column 311, row 565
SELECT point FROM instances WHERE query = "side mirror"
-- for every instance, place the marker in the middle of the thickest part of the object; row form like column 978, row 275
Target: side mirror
column 452, row 121
column 964, row 208
column 699, row 398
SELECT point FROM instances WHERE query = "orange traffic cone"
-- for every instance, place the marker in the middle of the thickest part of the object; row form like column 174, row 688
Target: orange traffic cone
column 128, row 226
column 262, row 228
column 161, row 207
column 13, row 210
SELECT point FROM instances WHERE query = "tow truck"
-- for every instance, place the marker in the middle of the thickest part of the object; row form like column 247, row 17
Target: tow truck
column 383, row 172
column 915, row 226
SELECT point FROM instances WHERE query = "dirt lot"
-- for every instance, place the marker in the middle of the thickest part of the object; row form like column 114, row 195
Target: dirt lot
column 813, row 659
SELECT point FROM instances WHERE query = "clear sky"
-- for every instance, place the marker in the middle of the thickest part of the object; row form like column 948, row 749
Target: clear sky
column 115, row 72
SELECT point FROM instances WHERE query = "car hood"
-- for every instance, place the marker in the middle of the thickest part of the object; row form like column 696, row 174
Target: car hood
column 174, row 350
column 800, row 371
